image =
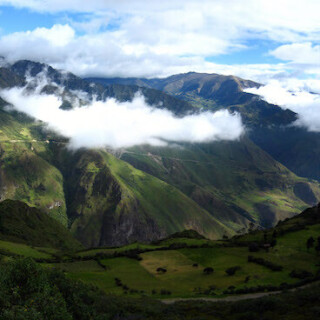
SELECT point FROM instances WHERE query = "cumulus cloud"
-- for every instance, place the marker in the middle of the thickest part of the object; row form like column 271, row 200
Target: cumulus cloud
column 298, row 52
column 301, row 96
column 114, row 124
column 159, row 38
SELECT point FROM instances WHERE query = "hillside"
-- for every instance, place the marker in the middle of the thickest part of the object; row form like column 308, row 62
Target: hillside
column 296, row 148
column 237, row 182
column 114, row 197
column 110, row 202
column 280, row 258
column 23, row 224
column 214, row 92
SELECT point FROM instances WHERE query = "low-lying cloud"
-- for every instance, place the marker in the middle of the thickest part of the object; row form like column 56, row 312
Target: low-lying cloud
column 123, row 124
column 301, row 96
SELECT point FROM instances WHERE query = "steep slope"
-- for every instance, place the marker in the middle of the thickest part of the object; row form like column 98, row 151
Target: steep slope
column 216, row 188
column 21, row 223
column 110, row 202
column 296, row 148
column 25, row 172
column 237, row 182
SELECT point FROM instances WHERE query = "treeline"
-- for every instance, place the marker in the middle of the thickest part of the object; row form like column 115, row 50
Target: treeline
column 268, row 264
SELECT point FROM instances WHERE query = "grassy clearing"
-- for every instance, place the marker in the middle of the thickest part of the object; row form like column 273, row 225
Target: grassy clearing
column 23, row 250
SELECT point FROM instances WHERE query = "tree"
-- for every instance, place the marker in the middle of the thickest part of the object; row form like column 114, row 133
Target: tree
column 231, row 271
column 161, row 270
column 253, row 247
column 318, row 245
column 310, row 243
column 273, row 243
column 208, row 270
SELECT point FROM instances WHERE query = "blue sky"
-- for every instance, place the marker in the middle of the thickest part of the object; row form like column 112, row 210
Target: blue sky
column 274, row 42
column 256, row 39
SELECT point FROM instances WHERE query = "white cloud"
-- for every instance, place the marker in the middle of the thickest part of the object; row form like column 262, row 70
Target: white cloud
column 304, row 53
column 159, row 38
column 116, row 124
column 301, row 96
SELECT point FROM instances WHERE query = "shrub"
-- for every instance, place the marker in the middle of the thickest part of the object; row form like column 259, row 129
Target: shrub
column 253, row 247
column 231, row 271
column 270, row 265
column 161, row 270
column 165, row 292
column 208, row 270
column 300, row 274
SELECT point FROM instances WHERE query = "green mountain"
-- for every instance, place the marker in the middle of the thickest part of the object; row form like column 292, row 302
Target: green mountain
column 236, row 182
column 108, row 197
column 24, row 224
column 296, row 148
column 214, row 92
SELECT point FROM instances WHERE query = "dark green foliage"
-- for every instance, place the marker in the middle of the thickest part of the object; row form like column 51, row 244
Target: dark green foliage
column 161, row 270
column 253, row 247
column 27, row 291
column 300, row 274
column 208, row 270
column 231, row 271
column 190, row 234
column 21, row 223
column 310, row 242
column 270, row 265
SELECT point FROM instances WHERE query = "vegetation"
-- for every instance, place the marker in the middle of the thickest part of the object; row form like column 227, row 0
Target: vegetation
column 219, row 189
column 21, row 223
column 28, row 291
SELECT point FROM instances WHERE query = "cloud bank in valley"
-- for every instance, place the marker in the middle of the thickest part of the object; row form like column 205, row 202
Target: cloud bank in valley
column 123, row 124
column 301, row 96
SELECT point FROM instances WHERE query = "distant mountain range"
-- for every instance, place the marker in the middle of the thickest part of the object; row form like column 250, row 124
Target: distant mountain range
column 112, row 197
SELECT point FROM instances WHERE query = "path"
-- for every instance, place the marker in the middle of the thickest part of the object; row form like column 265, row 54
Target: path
column 236, row 297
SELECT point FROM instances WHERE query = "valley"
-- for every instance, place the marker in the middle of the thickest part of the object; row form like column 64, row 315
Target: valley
column 107, row 196
column 174, row 267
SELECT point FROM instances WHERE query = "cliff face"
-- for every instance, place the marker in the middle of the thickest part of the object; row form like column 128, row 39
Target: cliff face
column 100, row 209
column 110, row 203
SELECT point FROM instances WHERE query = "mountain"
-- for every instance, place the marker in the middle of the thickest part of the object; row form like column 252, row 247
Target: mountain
column 70, row 83
column 112, row 197
column 24, row 224
column 270, row 125
column 214, row 92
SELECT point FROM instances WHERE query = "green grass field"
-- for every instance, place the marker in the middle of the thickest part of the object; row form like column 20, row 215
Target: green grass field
column 24, row 250
column 183, row 279
column 132, row 270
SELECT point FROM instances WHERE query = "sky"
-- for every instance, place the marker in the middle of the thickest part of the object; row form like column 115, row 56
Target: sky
column 254, row 39
column 274, row 42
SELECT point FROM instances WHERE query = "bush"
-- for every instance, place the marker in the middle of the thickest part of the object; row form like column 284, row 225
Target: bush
column 270, row 265
column 300, row 274
column 231, row 271
column 253, row 247
column 164, row 292
column 161, row 270
column 208, row 270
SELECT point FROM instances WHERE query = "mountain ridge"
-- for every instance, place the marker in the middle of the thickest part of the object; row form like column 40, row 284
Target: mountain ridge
column 216, row 188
